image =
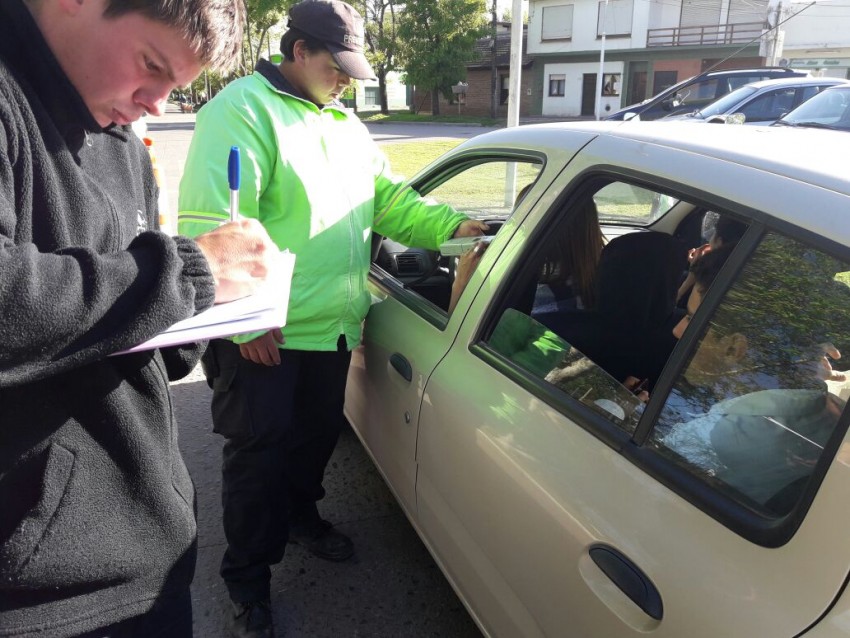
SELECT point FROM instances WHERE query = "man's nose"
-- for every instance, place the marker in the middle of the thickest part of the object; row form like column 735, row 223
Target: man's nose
column 153, row 99
column 344, row 79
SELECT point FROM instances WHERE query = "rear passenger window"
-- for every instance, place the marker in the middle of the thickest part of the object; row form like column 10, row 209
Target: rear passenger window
column 592, row 312
column 759, row 398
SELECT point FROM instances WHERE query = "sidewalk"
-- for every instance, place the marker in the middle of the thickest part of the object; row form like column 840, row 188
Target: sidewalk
column 171, row 134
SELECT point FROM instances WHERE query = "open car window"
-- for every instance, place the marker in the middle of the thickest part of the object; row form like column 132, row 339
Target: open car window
column 488, row 190
column 591, row 310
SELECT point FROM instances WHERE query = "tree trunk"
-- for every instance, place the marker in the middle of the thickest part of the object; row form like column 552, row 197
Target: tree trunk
column 260, row 45
column 494, row 71
column 382, row 90
column 435, row 102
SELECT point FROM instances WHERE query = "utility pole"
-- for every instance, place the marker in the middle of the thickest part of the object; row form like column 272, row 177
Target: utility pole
column 494, row 70
column 514, row 84
column 778, row 38
column 599, row 74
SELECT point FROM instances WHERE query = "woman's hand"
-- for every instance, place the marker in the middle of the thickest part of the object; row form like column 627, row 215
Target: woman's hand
column 466, row 265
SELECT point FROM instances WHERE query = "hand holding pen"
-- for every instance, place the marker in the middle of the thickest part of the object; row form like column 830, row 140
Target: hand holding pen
column 241, row 254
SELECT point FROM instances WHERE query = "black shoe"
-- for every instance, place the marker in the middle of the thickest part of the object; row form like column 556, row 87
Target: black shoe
column 251, row 620
column 320, row 538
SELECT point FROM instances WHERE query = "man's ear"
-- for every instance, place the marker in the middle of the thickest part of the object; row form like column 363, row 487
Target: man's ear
column 299, row 51
column 735, row 347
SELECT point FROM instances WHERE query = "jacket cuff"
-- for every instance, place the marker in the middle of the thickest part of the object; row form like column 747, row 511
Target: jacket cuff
column 197, row 270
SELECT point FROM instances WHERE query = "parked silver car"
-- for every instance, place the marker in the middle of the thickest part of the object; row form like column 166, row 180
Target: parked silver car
column 760, row 103
column 556, row 500
column 698, row 91
column 829, row 109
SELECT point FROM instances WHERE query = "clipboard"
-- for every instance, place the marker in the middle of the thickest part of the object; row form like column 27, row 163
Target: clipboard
column 264, row 310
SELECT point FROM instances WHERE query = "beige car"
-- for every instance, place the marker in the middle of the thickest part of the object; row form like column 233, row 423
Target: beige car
column 557, row 501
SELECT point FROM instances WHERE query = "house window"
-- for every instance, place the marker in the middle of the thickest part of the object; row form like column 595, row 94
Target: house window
column 372, row 95
column 611, row 84
column 556, row 85
column 504, row 83
column 557, row 22
column 614, row 18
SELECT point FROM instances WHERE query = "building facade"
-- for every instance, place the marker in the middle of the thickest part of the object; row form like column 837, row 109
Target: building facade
column 473, row 96
column 649, row 46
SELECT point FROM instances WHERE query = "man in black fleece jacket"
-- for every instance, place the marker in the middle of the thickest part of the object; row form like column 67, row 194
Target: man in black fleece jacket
column 97, row 528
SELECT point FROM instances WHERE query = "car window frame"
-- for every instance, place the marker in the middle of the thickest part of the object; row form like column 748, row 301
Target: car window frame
column 430, row 178
column 607, row 431
column 769, row 532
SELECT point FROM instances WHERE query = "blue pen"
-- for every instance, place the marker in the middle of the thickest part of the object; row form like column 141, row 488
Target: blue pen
column 233, row 175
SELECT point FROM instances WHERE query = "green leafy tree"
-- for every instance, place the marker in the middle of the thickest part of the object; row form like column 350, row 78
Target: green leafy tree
column 436, row 40
column 381, row 19
column 262, row 15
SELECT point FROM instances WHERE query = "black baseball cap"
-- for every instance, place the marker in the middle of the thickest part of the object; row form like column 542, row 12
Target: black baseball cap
column 340, row 28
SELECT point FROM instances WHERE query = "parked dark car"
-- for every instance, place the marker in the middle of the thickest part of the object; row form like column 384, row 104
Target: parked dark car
column 699, row 91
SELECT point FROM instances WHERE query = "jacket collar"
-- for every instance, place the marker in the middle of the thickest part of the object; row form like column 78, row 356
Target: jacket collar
column 272, row 73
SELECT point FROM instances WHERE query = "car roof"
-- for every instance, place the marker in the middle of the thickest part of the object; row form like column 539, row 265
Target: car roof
column 805, row 155
column 756, row 69
column 723, row 73
column 798, row 81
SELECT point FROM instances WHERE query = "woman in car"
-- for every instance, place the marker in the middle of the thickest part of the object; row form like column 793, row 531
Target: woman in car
column 568, row 273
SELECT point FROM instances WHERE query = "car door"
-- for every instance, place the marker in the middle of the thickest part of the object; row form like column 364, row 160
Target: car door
column 554, row 519
column 769, row 106
column 408, row 329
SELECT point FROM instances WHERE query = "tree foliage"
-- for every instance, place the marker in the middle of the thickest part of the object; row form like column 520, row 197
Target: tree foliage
column 381, row 19
column 262, row 16
column 436, row 40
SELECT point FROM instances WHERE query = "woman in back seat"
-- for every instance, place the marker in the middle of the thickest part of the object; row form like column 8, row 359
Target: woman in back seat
column 568, row 274
column 629, row 331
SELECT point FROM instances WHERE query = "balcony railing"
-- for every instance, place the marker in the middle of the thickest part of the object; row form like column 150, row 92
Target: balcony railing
column 705, row 35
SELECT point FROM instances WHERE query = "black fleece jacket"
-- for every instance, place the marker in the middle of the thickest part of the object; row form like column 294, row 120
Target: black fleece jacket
column 96, row 505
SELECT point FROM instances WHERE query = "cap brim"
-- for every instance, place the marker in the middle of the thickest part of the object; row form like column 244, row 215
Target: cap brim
column 353, row 64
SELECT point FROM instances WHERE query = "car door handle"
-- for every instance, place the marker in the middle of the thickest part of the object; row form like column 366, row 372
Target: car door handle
column 402, row 366
column 629, row 578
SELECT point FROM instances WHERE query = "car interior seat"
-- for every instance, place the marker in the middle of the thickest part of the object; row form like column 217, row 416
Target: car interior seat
column 629, row 333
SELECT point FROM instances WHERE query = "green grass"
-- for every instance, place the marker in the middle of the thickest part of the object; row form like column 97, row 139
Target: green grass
column 479, row 190
column 406, row 116
column 407, row 158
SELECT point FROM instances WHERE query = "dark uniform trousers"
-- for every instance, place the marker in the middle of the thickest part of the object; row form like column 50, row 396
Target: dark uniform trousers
column 281, row 424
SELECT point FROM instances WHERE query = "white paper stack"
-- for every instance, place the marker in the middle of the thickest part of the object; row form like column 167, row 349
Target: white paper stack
column 263, row 310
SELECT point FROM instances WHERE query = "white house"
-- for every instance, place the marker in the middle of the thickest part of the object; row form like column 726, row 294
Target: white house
column 369, row 99
column 651, row 44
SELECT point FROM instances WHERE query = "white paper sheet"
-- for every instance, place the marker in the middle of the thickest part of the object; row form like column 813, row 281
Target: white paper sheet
column 263, row 310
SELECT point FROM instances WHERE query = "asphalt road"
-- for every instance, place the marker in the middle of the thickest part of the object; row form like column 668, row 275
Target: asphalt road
column 391, row 587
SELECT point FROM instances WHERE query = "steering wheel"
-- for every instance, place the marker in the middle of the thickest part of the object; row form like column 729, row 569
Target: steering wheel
column 434, row 257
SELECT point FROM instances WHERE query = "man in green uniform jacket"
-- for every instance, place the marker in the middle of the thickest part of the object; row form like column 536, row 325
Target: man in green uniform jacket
column 320, row 186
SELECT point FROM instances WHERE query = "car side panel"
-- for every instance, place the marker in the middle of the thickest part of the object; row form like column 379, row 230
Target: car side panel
column 513, row 494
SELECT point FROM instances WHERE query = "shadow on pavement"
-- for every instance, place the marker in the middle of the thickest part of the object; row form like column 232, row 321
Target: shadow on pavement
column 390, row 588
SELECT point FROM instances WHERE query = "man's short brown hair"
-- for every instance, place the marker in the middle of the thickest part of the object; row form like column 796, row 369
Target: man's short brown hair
column 213, row 28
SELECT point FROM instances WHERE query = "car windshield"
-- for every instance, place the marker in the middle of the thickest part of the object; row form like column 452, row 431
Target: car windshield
column 727, row 102
column 828, row 109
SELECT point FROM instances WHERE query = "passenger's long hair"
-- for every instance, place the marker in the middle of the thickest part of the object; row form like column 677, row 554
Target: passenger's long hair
column 579, row 246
